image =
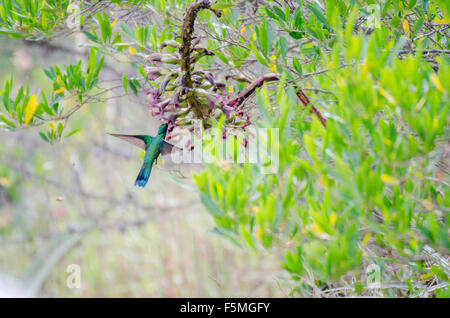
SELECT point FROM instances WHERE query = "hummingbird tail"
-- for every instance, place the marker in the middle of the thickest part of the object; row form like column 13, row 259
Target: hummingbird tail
column 144, row 174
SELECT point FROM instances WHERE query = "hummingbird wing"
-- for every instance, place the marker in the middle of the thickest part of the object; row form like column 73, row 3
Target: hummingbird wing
column 132, row 139
column 169, row 148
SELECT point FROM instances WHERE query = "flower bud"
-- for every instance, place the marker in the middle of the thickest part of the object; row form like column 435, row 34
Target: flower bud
column 170, row 43
column 153, row 73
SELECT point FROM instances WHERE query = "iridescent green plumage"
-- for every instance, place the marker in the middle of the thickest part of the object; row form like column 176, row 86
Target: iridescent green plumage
column 153, row 146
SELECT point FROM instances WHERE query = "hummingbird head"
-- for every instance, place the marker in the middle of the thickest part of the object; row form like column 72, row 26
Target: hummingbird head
column 163, row 129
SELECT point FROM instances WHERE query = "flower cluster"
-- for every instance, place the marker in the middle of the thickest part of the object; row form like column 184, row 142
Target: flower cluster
column 169, row 98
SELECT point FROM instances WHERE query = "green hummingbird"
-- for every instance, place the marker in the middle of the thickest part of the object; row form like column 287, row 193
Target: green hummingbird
column 153, row 146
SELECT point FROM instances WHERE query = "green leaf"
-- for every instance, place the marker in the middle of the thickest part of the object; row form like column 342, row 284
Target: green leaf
column 7, row 121
column 247, row 236
column 73, row 132
column 318, row 14
column 105, row 27
column 225, row 234
column 258, row 55
column 298, row 20
column 212, row 207
column 297, row 65
column 44, row 137
column 283, row 46
column 262, row 106
column 272, row 15
column 309, row 144
column 133, row 87
column 50, row 73
column 296, row 35
column 262, row 38
column 280, row 13
column 60, row 128
column 439, row 272
column 90, row 36
column 125, row 83
column 127, row 30
column 221, row 6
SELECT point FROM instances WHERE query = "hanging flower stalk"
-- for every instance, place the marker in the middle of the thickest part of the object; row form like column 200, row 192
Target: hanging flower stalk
column 184, row 93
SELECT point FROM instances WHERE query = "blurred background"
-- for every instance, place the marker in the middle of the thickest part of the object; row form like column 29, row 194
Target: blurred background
column 75, row 203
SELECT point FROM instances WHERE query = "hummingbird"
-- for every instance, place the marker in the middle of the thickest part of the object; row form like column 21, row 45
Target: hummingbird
column 153, row 146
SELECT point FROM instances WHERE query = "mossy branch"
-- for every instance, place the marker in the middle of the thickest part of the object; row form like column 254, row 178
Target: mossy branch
column 248, row 91
column 187, row 30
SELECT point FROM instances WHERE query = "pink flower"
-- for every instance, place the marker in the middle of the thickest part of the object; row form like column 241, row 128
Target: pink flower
column 153, row 73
